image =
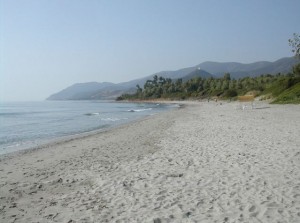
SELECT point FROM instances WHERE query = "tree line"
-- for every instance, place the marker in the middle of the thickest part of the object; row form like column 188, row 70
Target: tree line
column 224, row 88
column 284, row 87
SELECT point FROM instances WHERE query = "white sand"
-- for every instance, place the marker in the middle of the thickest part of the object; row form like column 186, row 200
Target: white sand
column 203, row 163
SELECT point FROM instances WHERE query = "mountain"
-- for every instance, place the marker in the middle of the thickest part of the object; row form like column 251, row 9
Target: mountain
column 240, row 70
column 106, row 90
column 197, row 73
column 166, row 74
column 231, row 67
column 80, row 91
column 283, row 65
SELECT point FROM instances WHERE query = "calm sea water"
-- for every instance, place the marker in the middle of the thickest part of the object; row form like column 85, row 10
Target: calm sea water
column 27, row 124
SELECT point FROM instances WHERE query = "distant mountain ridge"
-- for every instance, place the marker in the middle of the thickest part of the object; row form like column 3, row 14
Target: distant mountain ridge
column 240, row 70
column 80, row 91
column 197, row 73
column 106, row 90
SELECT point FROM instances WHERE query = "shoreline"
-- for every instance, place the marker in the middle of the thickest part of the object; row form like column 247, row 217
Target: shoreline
column 77, row 136
column 205, row 162
column 44, row 143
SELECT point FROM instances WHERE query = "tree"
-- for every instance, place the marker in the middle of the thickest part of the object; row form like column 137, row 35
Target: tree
column 227, row 76
column 162, row 80
column 178, row 84
column 296, row 69
column 139, row 90
column 295, row 44
column 155, row 79
column 231, row 93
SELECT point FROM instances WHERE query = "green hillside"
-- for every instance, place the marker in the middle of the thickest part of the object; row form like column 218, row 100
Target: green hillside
column 289, row 96
column 282, row 88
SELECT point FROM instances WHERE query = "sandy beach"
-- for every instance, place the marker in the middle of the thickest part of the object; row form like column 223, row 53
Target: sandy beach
column 205, row 162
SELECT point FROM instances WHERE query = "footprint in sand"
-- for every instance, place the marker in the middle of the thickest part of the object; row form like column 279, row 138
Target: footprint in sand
column 252, row 208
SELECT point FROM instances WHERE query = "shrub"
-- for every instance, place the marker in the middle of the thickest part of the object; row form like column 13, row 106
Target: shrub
column 230, row 93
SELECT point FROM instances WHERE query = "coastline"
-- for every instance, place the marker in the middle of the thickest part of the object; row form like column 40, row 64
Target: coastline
column 205, row 162
column 46, row 142
column 66, row 139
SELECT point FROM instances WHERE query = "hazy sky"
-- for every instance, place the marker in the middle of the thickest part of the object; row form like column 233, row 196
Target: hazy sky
column 47, row 45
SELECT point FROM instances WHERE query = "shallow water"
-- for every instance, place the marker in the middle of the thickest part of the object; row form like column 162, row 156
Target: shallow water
column 27, row 124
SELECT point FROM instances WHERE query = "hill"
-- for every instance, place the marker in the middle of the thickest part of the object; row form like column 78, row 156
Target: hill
column 106, row 90
column 240, row 70
column 290, row 95
column 197, row 73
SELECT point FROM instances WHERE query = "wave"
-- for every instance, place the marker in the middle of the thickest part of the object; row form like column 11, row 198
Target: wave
column 112, row 119
column 92, row 114
column 9, row 114
column 19, row 113
column 140, row 110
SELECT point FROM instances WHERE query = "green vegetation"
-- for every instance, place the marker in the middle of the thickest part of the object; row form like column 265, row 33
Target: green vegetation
column 281, row 88
column 295, row 44
column 289, row 96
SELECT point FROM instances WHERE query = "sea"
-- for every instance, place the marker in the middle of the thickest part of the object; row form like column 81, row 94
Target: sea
column 26, row 125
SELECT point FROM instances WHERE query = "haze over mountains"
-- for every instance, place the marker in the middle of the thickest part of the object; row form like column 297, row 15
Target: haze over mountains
column 106, row 90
